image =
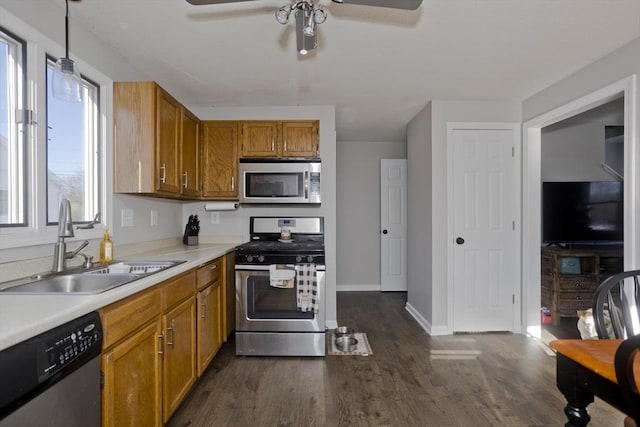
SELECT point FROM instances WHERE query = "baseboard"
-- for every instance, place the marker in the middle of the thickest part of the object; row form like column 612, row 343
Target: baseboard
column 429, row 329
column 356, row 288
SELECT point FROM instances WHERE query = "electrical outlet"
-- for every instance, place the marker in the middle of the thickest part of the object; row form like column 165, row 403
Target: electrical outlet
column 127, row 218
column 215, row 217
column 154, row 218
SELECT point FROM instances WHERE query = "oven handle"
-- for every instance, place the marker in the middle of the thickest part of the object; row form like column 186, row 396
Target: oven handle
column 250, row 267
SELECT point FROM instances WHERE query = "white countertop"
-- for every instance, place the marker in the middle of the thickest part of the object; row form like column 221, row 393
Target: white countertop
column 24, row 316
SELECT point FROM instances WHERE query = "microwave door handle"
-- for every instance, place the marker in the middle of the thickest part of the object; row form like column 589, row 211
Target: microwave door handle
column 306, row 185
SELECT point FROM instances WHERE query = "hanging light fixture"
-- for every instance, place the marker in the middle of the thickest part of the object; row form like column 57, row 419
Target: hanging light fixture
column 306, row 19
column 67, row 82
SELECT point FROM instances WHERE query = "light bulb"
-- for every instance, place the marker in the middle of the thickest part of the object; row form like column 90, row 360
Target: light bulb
column 282, row 14
column 319, row 15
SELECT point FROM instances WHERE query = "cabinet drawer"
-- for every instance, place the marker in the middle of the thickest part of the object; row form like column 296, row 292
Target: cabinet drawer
column 178, row 289
column 123, row 317
column 570, row 302
column 209, row 273
column 577, row 283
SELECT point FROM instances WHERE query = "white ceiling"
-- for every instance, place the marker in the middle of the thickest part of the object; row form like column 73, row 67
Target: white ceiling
column 378, row 66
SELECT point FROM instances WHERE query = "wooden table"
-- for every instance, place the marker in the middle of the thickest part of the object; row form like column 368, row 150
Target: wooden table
column 585, row 369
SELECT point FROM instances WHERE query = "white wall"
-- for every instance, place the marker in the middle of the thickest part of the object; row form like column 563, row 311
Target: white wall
column 574, row 149
column 358, row 211
column 420, row 217
column 580, row 91
column 434, row 120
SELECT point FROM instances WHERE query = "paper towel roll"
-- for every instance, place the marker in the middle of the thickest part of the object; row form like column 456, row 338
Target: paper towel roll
column 221, row 206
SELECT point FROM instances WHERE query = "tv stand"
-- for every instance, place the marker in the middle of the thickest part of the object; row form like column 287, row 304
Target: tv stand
column 571, row 276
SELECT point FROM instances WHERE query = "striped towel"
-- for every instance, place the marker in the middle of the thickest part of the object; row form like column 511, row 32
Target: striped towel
column 307, row 288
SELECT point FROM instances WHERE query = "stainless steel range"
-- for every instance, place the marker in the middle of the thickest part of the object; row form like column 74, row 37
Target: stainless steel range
column 280, row 288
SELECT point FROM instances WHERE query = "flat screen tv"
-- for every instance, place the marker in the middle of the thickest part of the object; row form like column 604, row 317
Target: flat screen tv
column 582, row 212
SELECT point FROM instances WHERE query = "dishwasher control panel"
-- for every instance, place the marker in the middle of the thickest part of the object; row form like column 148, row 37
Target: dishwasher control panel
column 69, row 344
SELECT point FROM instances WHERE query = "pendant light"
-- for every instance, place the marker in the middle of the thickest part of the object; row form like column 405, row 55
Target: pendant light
column 67, row 83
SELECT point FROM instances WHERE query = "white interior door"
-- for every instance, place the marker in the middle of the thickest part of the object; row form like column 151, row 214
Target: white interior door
column 484, row 238
column 393, row 222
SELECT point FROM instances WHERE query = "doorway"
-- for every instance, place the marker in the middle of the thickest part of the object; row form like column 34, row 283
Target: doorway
column 582, row 173
column 532, row 178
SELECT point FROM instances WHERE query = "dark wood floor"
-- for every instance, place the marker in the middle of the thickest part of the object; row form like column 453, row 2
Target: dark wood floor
column 411, row 379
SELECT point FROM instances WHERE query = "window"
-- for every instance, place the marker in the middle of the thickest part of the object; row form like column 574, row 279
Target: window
column 73, row 152
column 12, row 135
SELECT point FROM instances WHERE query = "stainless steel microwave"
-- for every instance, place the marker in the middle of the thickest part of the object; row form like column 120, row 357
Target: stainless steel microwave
column 280, row 181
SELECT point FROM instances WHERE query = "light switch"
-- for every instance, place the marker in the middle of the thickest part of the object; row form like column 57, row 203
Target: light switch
column 215, row 217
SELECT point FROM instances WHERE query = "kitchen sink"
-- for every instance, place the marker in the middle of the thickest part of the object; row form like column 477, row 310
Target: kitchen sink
column 92, row 281
column 73, row 284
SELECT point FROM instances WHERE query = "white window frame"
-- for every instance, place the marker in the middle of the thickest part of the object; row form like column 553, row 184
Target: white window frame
column 37, row 232
column 16, row 143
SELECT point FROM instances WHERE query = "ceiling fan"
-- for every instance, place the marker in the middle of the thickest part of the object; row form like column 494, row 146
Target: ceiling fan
column 308, row 16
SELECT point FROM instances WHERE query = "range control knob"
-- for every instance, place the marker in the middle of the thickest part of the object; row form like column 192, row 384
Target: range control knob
column 249, row 258
column 298, row 258
column 261, row 258
column 309, row 258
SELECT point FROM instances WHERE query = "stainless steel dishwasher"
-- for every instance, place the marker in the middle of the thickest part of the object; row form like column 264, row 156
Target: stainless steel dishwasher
column 53, row 379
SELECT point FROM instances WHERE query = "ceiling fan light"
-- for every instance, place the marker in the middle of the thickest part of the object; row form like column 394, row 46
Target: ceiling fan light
column 282, row 14
column 305, row 42
column 319, row 15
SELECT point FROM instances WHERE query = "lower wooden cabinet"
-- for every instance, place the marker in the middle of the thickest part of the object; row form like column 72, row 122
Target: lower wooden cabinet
column 209, row 324
column 132, row 390
column 179, row 326
column 157, row 342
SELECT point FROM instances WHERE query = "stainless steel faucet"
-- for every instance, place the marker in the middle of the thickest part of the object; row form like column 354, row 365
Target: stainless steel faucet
column 65, row 229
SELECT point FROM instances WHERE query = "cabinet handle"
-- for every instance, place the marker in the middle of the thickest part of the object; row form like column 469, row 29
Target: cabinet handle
column 163, row 173
column 285, row 145
column 214, row 267
column 161, row 338
column 204, row 309
column 184, row 179
column 170, row 328
column 578, row 298
column 233, row 183
column 578, row 285
column 273, row 145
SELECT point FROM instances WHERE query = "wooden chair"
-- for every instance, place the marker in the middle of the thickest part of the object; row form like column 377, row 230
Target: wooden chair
column 626, row 377
column 616, row 306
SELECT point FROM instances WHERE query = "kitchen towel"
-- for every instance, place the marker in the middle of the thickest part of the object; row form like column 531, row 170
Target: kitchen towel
column 281, row 276
column 307, row 288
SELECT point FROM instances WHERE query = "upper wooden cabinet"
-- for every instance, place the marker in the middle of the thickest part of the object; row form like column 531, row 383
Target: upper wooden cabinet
column 190, row 155
column 155, row 142
column 219, row 159
column 295, row 138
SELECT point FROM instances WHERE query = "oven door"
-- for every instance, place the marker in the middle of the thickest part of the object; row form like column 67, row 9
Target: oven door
column 263, row 308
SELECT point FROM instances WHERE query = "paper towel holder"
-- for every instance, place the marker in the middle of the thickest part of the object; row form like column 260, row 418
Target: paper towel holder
column 221, row 206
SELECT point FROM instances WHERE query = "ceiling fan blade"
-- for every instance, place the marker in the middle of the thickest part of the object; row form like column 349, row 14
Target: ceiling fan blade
column 203, row 2
column 394, row 4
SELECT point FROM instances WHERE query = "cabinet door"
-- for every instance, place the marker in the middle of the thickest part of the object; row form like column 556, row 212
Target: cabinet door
column 179, row 354
column 220, row 159
column 209, row 324
column 169, row 114
column 132, row 380
column 300, row 139
column 259, row 139
column 190, row 155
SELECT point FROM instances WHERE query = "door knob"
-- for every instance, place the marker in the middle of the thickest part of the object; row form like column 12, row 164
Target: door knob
column 460, row 240
column 384, row 231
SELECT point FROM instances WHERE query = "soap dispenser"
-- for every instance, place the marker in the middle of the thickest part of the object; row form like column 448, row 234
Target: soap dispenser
column 106, row 249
